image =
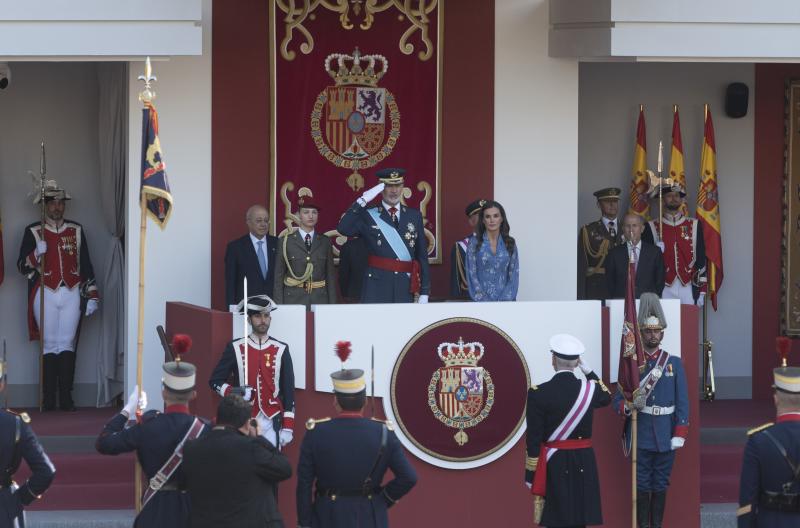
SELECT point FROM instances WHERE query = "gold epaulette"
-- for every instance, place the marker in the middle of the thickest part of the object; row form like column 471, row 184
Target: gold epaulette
column 744, row 510
column 389, row 424
column 312, row 423
column 531, row 463
column 23, row 416
column 754, row 430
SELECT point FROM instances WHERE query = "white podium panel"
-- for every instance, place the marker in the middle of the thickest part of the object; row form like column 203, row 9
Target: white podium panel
column 672, row 335
column 388, row 327
column 288, row 325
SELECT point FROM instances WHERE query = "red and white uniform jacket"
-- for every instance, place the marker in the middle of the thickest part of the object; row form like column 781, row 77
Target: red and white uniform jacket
column 269, row 373
column 67, row 263
column 684, row 249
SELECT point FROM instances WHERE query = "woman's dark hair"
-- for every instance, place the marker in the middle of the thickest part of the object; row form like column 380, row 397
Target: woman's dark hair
column 505, row 229
column 233, row 411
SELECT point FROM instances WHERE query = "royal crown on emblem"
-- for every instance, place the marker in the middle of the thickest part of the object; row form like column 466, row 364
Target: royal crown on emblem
column 461, row 353
column 348, row 69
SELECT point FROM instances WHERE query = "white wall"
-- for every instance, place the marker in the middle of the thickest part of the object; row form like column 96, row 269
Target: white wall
column 536, row 148
column 178, row 259
column 610, row 94
column 56, row 102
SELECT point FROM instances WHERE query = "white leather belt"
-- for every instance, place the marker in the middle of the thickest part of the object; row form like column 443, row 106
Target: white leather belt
column 658, row 411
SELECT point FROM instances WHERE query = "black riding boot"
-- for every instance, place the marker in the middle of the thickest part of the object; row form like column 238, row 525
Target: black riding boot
column 659, row 503
column 66, row 375
column 643, row 509
column 49, row 377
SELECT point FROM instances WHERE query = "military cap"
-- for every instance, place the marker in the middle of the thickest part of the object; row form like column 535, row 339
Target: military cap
column 566, row 346
column 787, row 379
column 474, row 207
column 651, row 314
column 391, row 176
column 257, row 304
column 609, row 193
column 307, row 202
column 179, row 376
column 349, row 381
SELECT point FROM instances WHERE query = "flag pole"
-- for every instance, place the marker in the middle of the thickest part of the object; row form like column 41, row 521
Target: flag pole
column 42, row 172
column 660, row 188
column 634, row 440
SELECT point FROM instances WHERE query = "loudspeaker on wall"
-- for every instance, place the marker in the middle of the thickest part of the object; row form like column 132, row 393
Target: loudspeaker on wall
column 736, row 97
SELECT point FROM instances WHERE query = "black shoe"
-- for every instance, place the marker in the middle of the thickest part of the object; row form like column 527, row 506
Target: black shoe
column 643, row 509
column 659, row 505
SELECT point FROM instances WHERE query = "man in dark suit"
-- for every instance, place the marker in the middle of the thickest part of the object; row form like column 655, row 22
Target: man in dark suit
column 397, row 265
column 769, row 490
column 649, row 262
column 304, row 272
column 17, row 443
column 348, row 456
column 232, row 473
column 251, row 256
column 560, row 467
column 352, row 268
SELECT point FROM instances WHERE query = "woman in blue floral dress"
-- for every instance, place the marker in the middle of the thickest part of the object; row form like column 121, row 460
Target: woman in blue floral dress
column 492, row 258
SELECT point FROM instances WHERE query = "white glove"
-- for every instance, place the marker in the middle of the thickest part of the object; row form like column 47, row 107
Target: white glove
column 676, row 442
column 660, row 245
column 528, row 485
column 370, row 194
column 285, row 436
column 134, row 402
column 586, row 369
column 41, row 248
column 423, row 299
column 232, row 308
column 701, row 300
column 91, row 306
column 248, row 394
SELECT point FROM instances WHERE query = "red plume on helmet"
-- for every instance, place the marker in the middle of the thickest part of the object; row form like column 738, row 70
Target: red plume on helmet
column 783, row 345
column 181, row 343
column 343, row 350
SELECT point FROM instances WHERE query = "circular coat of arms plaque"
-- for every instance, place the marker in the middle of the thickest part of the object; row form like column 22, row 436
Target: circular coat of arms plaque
column 458, row 392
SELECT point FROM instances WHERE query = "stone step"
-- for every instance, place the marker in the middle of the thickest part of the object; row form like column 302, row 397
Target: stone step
column 718, row 515
column 81, row 519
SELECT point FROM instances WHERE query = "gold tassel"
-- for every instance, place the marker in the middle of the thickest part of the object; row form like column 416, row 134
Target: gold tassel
column 538, row 508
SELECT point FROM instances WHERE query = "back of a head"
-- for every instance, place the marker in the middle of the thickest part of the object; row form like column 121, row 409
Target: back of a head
column 352, row 402
column 233, row 411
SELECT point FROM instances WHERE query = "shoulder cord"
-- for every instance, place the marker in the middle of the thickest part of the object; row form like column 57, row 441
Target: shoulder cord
column 294, row 280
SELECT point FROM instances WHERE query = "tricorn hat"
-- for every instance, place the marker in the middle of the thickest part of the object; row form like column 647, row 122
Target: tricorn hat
column 257, row 304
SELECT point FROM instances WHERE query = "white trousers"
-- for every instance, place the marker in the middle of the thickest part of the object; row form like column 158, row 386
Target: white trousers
column 676, row 290
column 267, row 428
column 62, row 312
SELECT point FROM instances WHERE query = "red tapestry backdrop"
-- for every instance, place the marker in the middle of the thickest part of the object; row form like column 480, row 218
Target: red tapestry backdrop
column 356, row 89
column 458, row 389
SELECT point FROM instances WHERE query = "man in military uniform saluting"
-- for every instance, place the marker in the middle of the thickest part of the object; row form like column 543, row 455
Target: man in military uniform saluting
column 304, row 272
column 158, row 441
column 397, row 265
column 663, row 419
column 595, row 240
column 18, row 442
column 769, row 491
column 560, row 467
column 348, row 456
column 458, row 255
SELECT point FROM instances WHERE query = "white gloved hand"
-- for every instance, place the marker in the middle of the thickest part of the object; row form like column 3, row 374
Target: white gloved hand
column 285, row 436
column 41, row 248
column 134, row 402
column 423, row 299
column 91, row 306
column 528, row 485
column 370, row 194
column 586, row 369
column 232, row 308
column 676, row 442
column 248, row 393
column 660, row 245
column 701, row 300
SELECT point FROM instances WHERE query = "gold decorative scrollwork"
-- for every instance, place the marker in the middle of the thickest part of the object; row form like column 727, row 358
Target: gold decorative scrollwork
column 423, row 208
column 298, row 11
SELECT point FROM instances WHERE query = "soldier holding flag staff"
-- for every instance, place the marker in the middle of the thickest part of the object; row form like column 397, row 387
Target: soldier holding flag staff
column 397, row 265
column 560, row 467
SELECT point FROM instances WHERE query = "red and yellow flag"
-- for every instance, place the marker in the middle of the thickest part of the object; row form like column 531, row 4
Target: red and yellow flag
column 708, row 210
column 676, row 170
column 639, row 184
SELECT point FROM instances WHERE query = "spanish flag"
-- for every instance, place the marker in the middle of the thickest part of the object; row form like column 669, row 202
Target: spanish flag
column 639, row 184
column 676, row 171
column 708, row 210
column 155, row 186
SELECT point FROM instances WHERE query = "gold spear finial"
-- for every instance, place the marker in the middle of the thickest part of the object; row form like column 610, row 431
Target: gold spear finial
column 147, row 95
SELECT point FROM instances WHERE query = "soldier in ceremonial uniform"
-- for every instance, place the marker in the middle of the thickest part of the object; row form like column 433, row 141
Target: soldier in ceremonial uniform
column 663, row 419
column 70, row 291
column 158, row 440
column 304, row 272
column 260, row 370
column 459, row 288
column 18, row 442
column 595, row 240
column 560, row 467
column 347, row 457
column 397, row 265
column 769, row 491
column 680, row 239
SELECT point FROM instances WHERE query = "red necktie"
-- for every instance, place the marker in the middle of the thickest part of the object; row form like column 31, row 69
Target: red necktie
column 393, row 212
